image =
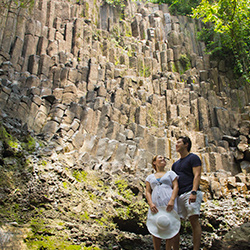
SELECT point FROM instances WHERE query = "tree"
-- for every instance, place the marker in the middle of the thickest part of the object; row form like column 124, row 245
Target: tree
column 231, row 19
column 179, row 7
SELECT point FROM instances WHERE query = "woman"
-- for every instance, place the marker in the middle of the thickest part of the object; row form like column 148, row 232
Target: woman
column 162, row 190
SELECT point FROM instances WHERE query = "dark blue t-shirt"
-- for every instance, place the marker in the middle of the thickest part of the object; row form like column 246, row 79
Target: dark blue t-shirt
column 184, row 169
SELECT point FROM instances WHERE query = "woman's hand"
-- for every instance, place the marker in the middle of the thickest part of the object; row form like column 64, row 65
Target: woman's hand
column 170, row 206
column 153, row 209
column 152, row 206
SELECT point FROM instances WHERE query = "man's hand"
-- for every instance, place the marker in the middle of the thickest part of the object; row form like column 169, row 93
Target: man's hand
column 192, row 198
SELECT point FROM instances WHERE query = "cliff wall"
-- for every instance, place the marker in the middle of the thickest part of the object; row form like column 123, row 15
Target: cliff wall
column 107, row 87
column 93, row 78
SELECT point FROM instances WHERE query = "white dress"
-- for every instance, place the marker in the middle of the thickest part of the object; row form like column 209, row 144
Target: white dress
column 162, row 189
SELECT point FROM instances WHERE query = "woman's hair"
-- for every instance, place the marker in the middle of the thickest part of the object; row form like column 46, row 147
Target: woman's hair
column 153, row 160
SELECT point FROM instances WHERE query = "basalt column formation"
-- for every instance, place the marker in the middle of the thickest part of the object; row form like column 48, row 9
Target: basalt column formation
column 109, row 87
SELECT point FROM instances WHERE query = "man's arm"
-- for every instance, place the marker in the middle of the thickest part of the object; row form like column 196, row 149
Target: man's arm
column 196, row 182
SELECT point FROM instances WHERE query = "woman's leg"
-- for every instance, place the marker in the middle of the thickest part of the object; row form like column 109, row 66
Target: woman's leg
column 175, row 242
column 157, row 243
column 168, row 245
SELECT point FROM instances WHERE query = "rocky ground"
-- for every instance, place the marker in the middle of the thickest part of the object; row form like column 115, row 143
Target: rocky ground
column 46, row 204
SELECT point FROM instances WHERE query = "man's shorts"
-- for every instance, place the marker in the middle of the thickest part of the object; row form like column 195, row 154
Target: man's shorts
column 185, row 210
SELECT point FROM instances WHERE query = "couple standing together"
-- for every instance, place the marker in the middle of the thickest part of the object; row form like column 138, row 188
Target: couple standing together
column 174, row 194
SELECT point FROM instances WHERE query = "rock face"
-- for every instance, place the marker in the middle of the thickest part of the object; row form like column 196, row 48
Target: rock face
column 237, row 238
column 134, row 84
column 105, row 89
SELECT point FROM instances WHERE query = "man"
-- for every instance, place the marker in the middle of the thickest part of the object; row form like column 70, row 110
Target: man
column 188, row 168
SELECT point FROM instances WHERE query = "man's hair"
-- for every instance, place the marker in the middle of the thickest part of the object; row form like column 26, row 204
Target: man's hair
column 186, row 140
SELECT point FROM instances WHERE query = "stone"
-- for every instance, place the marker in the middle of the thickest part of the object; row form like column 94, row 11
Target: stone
column 42, row 45
column 120, row 153
column 215, row 161
column 216, row 189
column 135, row 25
column 231, row 140
column 39, row 121
column 245, row 167
column 93, row 76
column 140, row 116
column 44, row 64
column 222, row 117
column 33, row 64
column 237, row 238
column 238, row 98
column 29, row 48
column 244, row 128
column 203, row 75
column 243, row 143
column 52, row 48
column 183, row 110
column 78, row 139
column 73, row 75
column 17, row 50
column 113, row 129
column 203, row 114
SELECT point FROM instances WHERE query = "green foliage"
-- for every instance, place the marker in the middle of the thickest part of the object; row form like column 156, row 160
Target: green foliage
column 13, row 144
column 85, row 11
column 65, row 184
column 153, row 121
column 44, row 237
column 93, row 197
column 136, row 209
column 147, row 72
column 174, row 69
column 186, row 226
column 52, row 243
column 116, row 3
column 84, row 216
column 6, row 137
column 38, row 225
column 11, row 212
column 12, row 5
column 185, row 62
column 29, row 144
column 179, row 7
column 213, row 41
column 227, row 31
column 44, row 163
column 80, row 175
column 123, row 189
column 26, row 143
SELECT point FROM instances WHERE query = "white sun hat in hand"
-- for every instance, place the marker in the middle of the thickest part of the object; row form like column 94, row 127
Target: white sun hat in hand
column 164, row 225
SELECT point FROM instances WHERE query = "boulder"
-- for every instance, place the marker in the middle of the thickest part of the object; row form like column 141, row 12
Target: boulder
column 236, row 239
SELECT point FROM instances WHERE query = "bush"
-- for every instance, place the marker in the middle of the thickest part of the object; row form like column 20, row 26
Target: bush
column 179, row 7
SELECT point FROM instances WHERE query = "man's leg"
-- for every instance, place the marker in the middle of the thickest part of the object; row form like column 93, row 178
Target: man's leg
column 157, row 243
column 196, row 228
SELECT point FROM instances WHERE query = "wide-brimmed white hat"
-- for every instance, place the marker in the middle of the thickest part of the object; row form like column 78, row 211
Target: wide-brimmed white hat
column 164, row 225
